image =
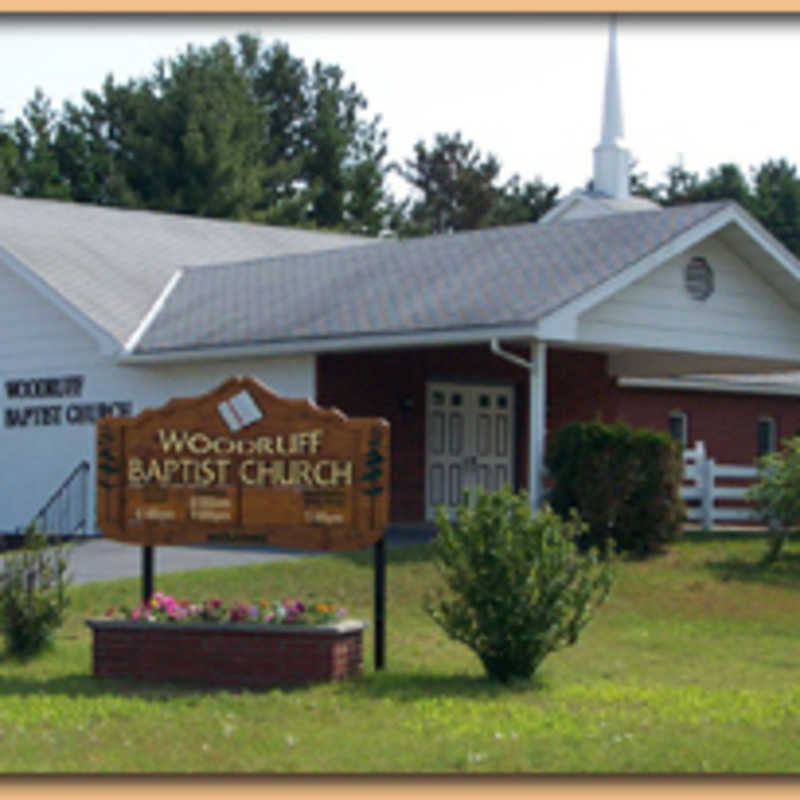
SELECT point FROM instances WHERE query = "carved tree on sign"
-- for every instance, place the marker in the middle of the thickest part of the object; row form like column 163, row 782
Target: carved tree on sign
column 107, row 464
column 372, row 477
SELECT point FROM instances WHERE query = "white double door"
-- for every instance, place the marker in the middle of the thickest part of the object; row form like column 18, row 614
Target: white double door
column 469, row 430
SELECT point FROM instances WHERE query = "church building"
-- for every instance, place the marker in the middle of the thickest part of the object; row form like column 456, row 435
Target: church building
column 475, row 346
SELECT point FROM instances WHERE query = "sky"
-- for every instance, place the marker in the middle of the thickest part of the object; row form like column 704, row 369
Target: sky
column 527, row 88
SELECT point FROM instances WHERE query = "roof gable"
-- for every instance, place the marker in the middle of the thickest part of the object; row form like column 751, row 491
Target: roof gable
column 508, row 277
column 107, row 266
column 760, row 251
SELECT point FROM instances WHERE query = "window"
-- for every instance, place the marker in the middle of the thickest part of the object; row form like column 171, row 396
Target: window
column 766, row 436
column 678, row 426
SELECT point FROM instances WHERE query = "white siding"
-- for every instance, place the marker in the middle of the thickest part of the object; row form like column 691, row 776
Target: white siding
column 34, row 332
column 744, row 316
column 37, row 340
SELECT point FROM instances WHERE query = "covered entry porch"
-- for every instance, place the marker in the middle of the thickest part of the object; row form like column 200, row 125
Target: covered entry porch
column 461, row 415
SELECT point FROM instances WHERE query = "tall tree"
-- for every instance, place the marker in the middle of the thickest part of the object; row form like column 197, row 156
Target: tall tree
column 34, row 135
column 9, row 159
column 205, row 134
column 235, row 131
column 459, row 189
column 324, row 158
column 522, row 202
column 776, row 201
column 277, row 82
column 89, row 147
column 367, row 202
column 456, row 183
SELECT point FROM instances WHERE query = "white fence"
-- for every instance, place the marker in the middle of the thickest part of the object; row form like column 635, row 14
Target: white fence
column 702, row 490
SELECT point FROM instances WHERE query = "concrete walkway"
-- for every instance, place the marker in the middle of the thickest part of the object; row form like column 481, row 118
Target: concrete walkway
column 99, row 559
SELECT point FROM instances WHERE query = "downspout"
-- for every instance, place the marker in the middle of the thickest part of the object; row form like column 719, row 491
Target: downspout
column 494, row 346
column 537, row 398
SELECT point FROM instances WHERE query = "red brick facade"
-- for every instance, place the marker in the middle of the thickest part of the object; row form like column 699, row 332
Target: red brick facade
column 726, row 422
column 392, row 384
column 226, row 655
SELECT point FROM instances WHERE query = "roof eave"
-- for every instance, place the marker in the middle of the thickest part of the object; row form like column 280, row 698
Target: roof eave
column 313, row 345
column 712, row 385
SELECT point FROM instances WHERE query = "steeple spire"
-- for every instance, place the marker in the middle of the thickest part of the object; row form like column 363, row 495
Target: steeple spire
column 612, row 105
column 611, row 159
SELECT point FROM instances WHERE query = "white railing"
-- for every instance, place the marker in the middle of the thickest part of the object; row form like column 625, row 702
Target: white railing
column 701, row 490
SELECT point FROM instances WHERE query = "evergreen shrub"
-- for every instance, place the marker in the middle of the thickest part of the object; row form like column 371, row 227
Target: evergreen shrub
column 776, row 494
column 518, row 586
column 32, row 594
column 624, row 482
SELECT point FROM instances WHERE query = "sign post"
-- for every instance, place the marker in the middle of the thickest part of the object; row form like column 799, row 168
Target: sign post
column 379, row 600
column 147, row 573
column 241, row 465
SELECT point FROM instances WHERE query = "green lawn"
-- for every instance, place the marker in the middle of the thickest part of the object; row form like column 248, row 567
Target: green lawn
column 691, row 666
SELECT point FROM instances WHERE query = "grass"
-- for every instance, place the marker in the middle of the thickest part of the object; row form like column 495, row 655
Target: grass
column 690, row 667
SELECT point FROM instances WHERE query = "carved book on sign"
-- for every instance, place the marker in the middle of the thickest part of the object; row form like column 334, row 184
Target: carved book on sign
column 243, row 465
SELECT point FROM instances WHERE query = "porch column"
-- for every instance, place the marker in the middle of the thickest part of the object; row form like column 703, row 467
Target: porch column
column 537, row 409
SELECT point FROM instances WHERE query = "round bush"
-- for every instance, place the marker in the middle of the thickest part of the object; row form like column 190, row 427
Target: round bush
column 518, row 586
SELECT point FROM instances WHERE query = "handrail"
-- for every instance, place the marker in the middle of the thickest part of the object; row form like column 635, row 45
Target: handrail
column 81, row 470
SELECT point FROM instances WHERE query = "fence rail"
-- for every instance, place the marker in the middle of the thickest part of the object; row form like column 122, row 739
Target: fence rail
column 702, row 490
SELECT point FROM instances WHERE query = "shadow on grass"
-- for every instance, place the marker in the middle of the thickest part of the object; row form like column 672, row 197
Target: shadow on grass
column 400, row 687
column 411, row 553
column 722, row 536
column 784, row 572
column 81, row 685
column 411, row 686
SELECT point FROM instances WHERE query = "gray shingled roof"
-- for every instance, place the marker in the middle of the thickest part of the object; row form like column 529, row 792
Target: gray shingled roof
column 112, row 264
column 501, row 276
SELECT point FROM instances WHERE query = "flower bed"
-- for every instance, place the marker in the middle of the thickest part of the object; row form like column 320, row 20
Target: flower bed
column 253, row 646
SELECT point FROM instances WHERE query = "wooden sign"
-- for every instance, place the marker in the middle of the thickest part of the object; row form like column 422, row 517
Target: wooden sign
column 243, row 465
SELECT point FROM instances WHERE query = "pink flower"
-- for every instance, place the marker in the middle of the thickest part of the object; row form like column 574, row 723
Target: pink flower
column 136, row 613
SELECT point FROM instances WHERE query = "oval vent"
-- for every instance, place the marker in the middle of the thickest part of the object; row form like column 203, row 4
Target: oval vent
column 699, row 279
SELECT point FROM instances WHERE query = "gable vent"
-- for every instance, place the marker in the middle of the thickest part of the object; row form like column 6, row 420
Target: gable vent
column 699, row 279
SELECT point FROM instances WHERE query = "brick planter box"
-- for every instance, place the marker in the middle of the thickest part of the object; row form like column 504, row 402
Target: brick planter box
column 227, row 654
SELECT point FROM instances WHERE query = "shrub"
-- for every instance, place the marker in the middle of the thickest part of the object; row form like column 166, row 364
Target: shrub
column 777, row 494
column 624, row 482
column 32, row 594
column 519, row 588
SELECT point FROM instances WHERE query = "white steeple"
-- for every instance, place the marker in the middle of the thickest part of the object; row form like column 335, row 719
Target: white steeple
column 611, row 159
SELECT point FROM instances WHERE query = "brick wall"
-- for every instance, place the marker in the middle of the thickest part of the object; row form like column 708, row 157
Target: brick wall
column 579, row 388
column 247, row 656
column 726, row 422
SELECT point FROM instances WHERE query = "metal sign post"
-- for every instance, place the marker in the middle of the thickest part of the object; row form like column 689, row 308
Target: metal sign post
column 147, row 573
column 379, row 599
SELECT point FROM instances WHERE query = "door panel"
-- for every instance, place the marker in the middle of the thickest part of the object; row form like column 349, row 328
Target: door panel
column 468, row 441
column 492, row 414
